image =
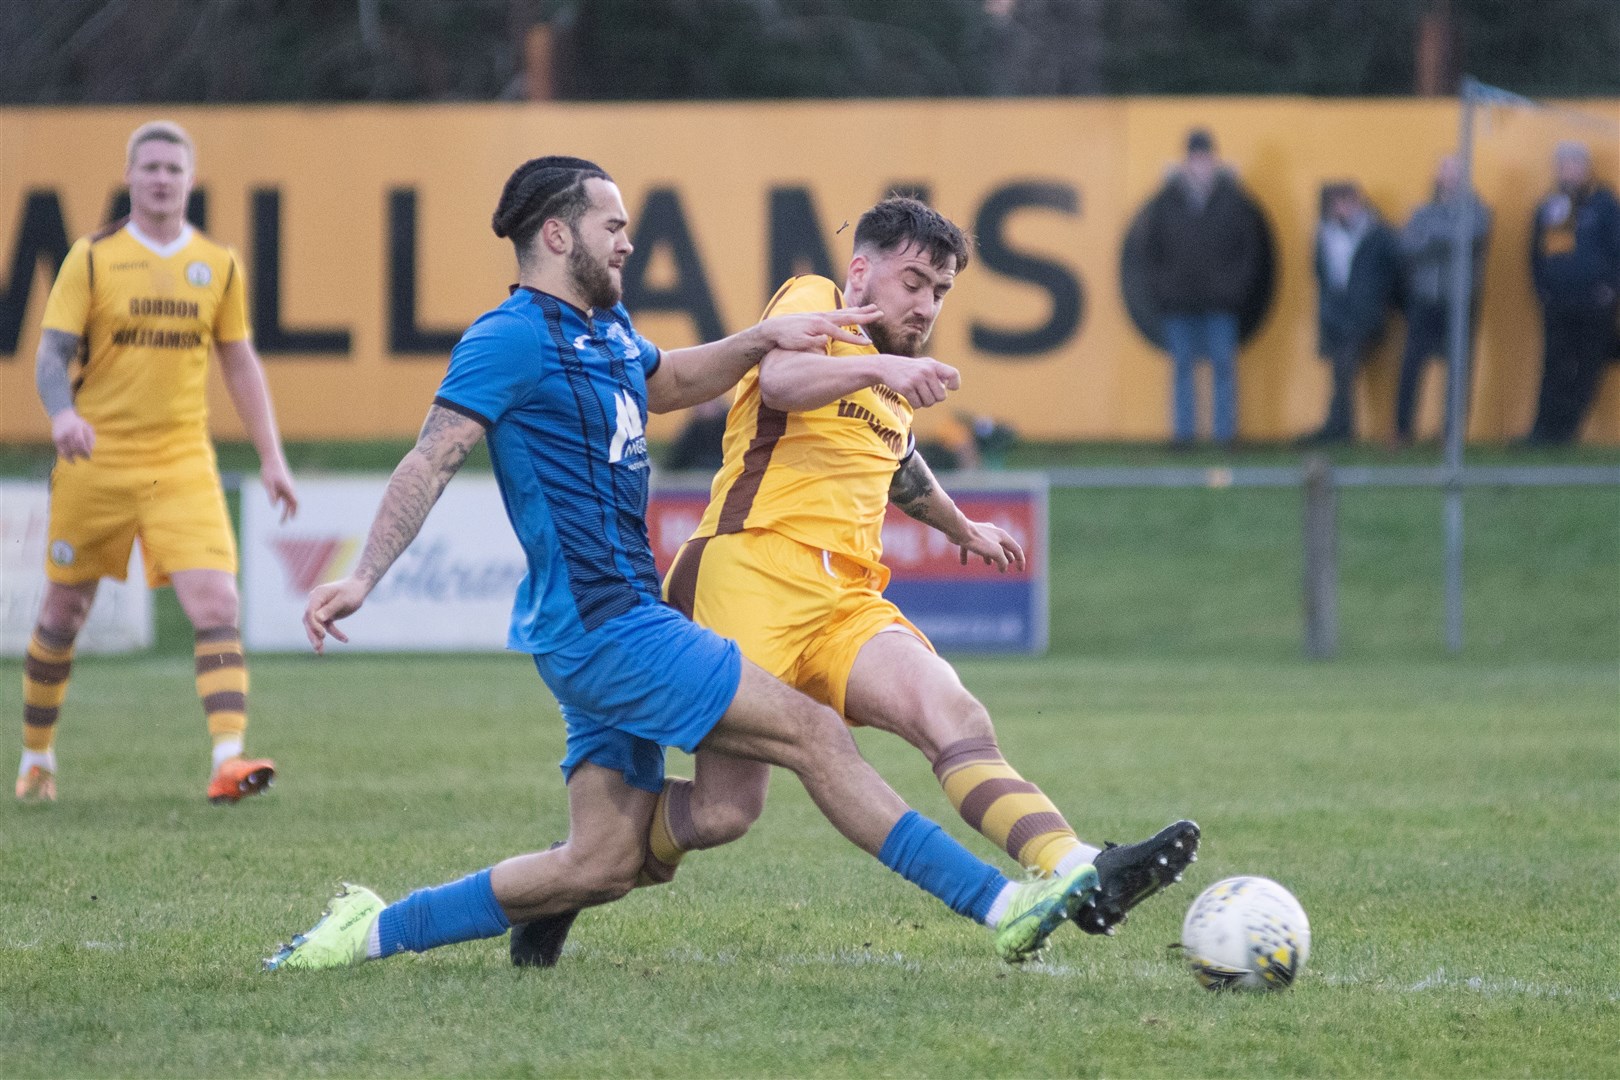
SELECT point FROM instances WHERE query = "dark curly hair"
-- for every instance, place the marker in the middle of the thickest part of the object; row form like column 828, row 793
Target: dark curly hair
column 546, row 187
column 900, row 221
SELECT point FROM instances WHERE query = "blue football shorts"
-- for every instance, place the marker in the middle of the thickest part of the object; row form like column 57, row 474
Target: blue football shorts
column 643, row 681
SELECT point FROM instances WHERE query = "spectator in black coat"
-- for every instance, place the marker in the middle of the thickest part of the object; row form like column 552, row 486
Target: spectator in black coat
column 1427, row 244
column 1358, row 277
column 1575, row 261
column 698, row 446
column 1203, row 246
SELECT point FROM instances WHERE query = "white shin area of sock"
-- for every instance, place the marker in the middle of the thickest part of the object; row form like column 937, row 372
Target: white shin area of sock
column 374, row 940
column 1081, row 855
column 226, row 749
column 998, row 906
column 45, row 759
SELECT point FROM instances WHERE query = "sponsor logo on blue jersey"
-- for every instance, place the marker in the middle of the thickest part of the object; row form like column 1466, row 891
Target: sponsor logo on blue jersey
column 629, row 438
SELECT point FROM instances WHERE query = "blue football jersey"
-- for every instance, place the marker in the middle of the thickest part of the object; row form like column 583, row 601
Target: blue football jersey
column 562, row 395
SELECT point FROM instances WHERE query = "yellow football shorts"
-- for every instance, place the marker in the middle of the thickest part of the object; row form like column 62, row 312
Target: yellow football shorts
column 800, row 613
column 97, row 512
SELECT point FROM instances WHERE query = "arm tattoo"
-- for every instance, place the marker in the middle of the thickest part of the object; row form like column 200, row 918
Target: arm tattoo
column 912, row 484
column 57, row 348
column 919, row 496
column 446, row 439
column 443, row 445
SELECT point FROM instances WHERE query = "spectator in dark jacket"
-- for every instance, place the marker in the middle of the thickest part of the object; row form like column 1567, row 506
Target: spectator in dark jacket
column 1427, row 244
column 698, row 446
column 1575, row 261
column 1357, row 276
column 1203, row 253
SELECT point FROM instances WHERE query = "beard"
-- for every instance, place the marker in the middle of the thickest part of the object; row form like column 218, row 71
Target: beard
column 593, row 279
column 896, row 341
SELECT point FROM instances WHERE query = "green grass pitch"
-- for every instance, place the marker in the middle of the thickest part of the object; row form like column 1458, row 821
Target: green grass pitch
column 1449, row 824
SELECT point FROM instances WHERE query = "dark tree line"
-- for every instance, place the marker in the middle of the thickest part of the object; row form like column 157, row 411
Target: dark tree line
column 115, row 51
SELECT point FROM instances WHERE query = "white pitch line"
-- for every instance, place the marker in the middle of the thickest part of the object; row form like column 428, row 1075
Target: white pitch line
column 1441, row 979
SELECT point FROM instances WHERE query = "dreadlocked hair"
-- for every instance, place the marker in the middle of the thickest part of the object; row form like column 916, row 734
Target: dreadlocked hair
column 546, row 187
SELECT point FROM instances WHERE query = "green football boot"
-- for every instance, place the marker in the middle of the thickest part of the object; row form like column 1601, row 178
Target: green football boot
column 1039, row 907
column 338, row 940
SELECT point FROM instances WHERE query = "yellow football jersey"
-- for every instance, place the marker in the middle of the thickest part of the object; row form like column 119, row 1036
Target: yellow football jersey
column 820, row 477
column 149, row 314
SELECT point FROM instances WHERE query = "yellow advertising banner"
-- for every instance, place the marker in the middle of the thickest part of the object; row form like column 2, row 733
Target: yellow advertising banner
column 366, row 240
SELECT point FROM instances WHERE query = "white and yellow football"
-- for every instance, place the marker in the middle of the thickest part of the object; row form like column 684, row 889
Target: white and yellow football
column 1246, row 933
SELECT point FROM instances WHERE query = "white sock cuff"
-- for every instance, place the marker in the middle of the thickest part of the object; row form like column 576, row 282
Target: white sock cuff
column 1081, row 855
column 226, row 749
column 45, row 759
column 998, row 906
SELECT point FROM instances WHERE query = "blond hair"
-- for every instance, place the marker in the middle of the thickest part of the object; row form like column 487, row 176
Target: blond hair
column 162, row 131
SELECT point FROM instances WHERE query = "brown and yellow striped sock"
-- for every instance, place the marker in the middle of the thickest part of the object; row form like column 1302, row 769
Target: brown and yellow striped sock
column 1009, row 810
column 222, row 683
column 45, row 683
column 671, row 835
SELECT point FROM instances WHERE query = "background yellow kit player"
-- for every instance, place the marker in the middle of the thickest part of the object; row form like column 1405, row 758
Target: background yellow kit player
column 140, row 304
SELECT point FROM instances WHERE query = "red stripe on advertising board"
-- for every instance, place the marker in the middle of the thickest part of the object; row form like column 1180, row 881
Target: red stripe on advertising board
column 913, row 550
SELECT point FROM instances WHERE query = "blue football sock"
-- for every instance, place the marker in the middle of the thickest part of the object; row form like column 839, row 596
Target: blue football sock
column 925, row 855
column 460, row 911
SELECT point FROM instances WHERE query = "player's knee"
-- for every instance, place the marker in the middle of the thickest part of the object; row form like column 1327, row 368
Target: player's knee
column 63, row 613
column 211, row 602
column 601, row 876
column 946, row 717
column 605, row 890
column 729, row 820
column 213, row 613
column 965, row 717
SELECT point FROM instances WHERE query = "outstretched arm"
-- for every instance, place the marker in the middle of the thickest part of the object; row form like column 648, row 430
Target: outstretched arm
column 801, row 381
column 72, row 433
column 918, row 495
column 446, row 439
column 244, row 381
column 694, row 375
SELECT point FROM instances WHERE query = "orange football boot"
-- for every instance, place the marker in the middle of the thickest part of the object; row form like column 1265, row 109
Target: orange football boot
column 238, row 778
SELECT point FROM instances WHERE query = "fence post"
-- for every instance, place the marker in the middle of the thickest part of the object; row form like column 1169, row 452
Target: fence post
column 1321, row 536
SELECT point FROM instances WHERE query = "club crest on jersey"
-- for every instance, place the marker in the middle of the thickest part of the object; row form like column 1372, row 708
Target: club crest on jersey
column 62, row 553
column 198, row 273
column 629, row 439
column 626, row 342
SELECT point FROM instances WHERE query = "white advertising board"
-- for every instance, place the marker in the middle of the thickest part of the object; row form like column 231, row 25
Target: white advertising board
column 120, row 620
column 451, row 589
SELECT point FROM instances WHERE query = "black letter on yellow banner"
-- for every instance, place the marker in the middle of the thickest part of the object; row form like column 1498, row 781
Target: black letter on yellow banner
column 1062, row 287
